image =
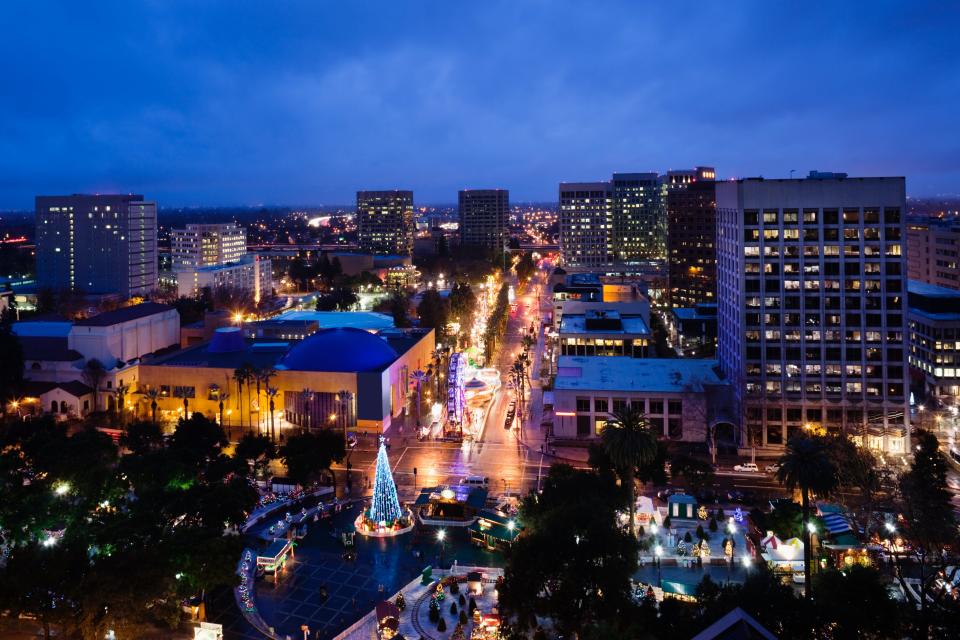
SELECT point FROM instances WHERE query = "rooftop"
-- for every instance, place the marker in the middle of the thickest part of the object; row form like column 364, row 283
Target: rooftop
column 34, row 389
column 125, row 314
column 696, row 313
column 629, row 325
column 622, row 373
column 48, row 348
column 368, row 320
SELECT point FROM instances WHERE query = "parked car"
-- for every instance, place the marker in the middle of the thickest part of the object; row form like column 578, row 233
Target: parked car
column 476, row 481
column 750, row 467
column 663, row 494
column 772, row 468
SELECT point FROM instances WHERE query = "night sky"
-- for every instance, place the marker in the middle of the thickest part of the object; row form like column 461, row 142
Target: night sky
column 223, row 103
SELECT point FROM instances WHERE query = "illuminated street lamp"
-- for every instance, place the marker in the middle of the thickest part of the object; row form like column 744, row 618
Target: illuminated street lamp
column 441, row 536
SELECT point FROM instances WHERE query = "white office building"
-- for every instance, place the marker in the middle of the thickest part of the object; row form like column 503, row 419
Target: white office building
column 201, row 245
column 812, row 314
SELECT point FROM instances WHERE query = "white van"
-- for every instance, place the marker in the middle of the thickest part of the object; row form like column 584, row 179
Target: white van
column 476, row 481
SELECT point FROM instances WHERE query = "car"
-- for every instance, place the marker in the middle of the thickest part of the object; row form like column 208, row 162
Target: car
column 772, row 468
column 475, row 481
column 663, row 494
column 749, row 467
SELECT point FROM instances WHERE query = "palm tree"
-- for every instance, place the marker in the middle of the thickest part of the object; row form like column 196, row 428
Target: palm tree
column 121, row 391
column 93, row 374
column 153, row 394
column 248, row 376
column 808, row 465
column 629, row 443
column 271, row 394
column 263, row 375
column 242, row 376
column 223, row 395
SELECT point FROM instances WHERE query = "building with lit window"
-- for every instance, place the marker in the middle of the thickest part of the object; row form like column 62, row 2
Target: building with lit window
column 691, row 236
column 933, row 252
column 586, row 226
column 604, row 332
column 214, row 256
column 681, row 397
column 934, row 318
column 385, row 222
column 201, row 245
column 484, row 218
column 638, row 218
column 97, row 244
column 812, row 313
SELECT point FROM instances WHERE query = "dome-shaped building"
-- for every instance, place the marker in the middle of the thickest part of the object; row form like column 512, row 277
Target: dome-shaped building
column 341, row 349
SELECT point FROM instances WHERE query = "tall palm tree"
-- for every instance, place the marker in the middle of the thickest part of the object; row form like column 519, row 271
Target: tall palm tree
column 153, row 394
column 271, row 394
column 808, row 464
column 121, row 391
column 629, row 443
column 239, row 376
column 248, row 376
column 263, row 374
column 222, row 396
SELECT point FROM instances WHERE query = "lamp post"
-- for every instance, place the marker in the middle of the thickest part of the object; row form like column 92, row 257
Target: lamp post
column 441, row 535
column 658, row 553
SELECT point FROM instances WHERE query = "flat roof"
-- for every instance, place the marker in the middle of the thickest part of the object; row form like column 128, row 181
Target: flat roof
column 931, row 290
column 623, row 373
column 334, row 319
column 630, row 325
column 124, row 315
column 693, row 313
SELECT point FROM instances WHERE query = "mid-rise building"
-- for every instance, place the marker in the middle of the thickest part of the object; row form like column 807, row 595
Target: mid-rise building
column 691, row 236
column 586, row 233
column 484, row 217
column 638, row 218
column 97, row 244
column 935, row 340
column 385, row 221
column 201, row 245
column 214, row 256
column 681, row 397
column 812, row 314
column 933, row 252
column 604, row 332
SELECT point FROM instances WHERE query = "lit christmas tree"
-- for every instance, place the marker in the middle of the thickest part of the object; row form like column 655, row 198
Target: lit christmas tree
column 385, row 508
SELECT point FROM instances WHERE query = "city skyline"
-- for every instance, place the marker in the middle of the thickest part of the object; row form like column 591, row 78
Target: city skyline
column 309, row 105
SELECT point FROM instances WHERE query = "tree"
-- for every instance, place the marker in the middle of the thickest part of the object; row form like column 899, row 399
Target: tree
column 629, row 443
column 153, row 394
column 398, row 309
column 856, row 603
column 525, row 267
column 785, row 520
column 241, row 377
column 857, row 467
column 93, row 374
column 698, row 473
column 462, row 302
column 573, row 564
column 339, row 299
column 141, row 437
column 306, row 455
column 11, row 355
column 256, row 451
column 198, row 437
column 808, row 465
column 930, row 523
column 433, row 311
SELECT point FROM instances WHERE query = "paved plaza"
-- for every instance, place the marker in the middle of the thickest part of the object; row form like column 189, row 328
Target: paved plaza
column 353, row 587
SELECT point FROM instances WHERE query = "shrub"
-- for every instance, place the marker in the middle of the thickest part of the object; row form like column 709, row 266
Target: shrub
column 442, row 625
column 701, row 534
column 453, row 608
column 473, row 605
column 463, row 617
column 713, row 524
column 463, row 601
column 666, row 522
column 454, row 586
column 687, row 537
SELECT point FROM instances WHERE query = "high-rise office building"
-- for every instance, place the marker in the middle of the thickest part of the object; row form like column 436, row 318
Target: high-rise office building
column 618, row 223
column 385, row 222
column 201, row 245
column 97, row 243
column 933, row 252
column 484, row 216
column 638, row 218
column 812, row 307
column 585, row 225
column 691, row 235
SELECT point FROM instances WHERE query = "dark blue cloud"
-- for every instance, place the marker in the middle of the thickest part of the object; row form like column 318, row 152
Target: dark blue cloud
column 284, row 102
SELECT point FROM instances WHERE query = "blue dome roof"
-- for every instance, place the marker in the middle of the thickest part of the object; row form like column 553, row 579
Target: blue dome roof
column 339, row 349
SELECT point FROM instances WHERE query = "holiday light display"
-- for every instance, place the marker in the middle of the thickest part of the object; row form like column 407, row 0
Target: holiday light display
column 385, row 517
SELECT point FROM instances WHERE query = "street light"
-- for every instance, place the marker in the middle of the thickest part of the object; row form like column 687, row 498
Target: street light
column 441, row 535
column 658, row 552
